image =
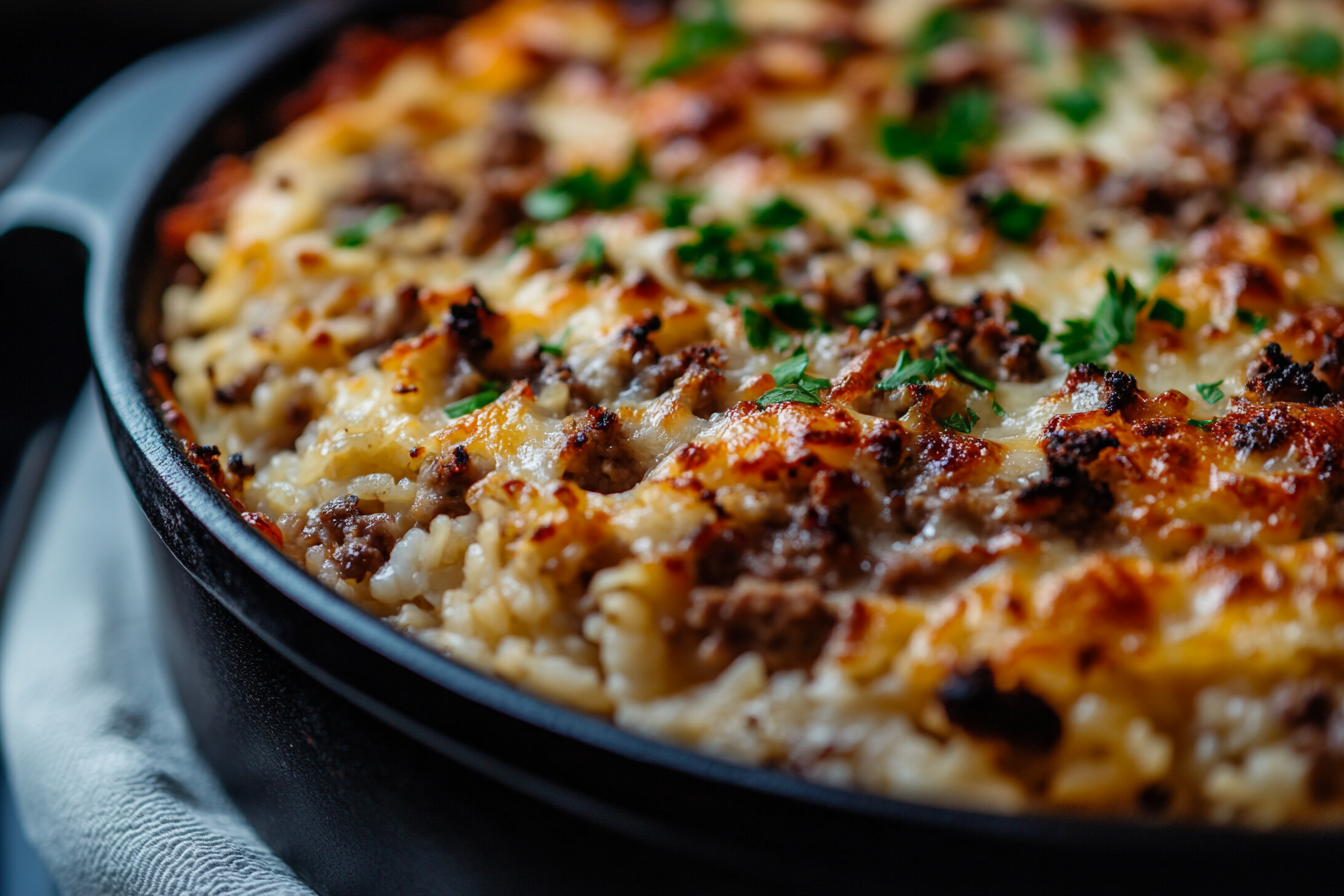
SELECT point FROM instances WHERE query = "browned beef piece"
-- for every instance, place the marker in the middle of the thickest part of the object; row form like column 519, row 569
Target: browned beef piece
column 596, row 457
column 1068, row 495
column 1276, row 377
column 787, row 623
column 360, row 543
column 471, row 323
column 909, row 300
column 982, row 335
column 696, row 368
column 974, row 703
column 441, row 487
column 397, row 177
column 512, row 165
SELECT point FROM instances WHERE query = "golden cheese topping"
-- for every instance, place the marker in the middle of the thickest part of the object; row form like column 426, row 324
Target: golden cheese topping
column 944, row 401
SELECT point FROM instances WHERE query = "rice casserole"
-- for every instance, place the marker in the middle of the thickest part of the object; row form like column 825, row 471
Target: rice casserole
column 941, row 401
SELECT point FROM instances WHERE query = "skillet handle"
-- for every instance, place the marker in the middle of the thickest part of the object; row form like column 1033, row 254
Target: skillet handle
column 94, row 173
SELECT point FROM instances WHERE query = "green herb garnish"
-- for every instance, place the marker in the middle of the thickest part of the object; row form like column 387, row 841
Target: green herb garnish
column 585, row 190
column 677, row 209
column 1112, row 324
column 962, row 422
column 357, row 235
column 791, row 312
column 592, row 259
column 778, row 214
column 719, row 254
column 1015, row 218
column 1079, row 105
column 1210, row 392
column 1314, row 51
column 792, row 382
column 1028, row 322
column 1200, row 424
column 945, row 137
column 524, row 234
column 862, row 317
column 1337, row 218
column 1164, row 260
column 1257, row 322
column 881, row 233
column 1167, row 312
column 556, row 348
column 998, row 410
column 489, row 391
column 762, row 333
column 696, row 41
column 943, row 361
column 940, row 27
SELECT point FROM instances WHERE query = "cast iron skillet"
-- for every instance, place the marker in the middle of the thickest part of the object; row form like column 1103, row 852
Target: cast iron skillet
column 374, row 765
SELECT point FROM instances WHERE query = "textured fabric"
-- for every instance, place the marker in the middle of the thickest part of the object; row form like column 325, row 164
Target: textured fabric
column 109, row 787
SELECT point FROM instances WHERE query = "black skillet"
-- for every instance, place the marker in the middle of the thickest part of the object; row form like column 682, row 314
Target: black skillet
column 375, row 766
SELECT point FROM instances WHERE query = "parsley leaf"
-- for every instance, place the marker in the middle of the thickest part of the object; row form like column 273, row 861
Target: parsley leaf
column 1164, row 260
column 1210, row 392
column 592, row 259
column 1028, row 322
column 762, row 332
column 1167, row 312
column 696, row 41
column 1200, row 424
column 963, row 421
column 357, row 235
column 958, row 369
column 862, row 317
column 1337, row 218
column 940, row 27
column 489, row 392
column 881, row 233
column 677, row 209
column 1112, row 324
column 779, row 213
column 998, row 410
column 791, row 312
column 792, row 382
column 556, row 348
column 524, row 234
column 1079, row 105
column 1315, row 51
column 585, row 190
column 718, row 254
column 944, row 138
column 1257, row 322
column 1015, row 218
column 908, row 371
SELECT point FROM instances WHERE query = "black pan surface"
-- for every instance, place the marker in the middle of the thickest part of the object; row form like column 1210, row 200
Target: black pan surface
column 374, row 765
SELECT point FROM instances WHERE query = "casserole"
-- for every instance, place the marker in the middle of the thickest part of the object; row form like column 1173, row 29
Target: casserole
column 300, row 700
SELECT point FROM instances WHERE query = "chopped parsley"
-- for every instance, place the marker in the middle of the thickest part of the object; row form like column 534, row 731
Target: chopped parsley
column 1167, row 312
column 998, row 410
column 1015, row 218
column 1337, row 218
column 862, row 317
column 489, row 391
column 1112, row 324
column 585, row 190
column 778, row 214
column 1079, row 105
column 1164, row 260
column 793, row 383
column 1314, row 51
column 791, row 312
column 696, row 41
column 1210, row 392
column 762, row 333
column 943, row 361
column 718, row 253
column 592, row 259
column 1200, row 424
column 963, row 421
column 940, row 27
column 556, row 348
column 677, row 209
column 524, row 234
column 358, row 234
column 1028, row 322
column 945, row 137
column 1257, row 322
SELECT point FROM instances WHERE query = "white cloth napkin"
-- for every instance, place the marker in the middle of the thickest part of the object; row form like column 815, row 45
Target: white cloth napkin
column 110, row 788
